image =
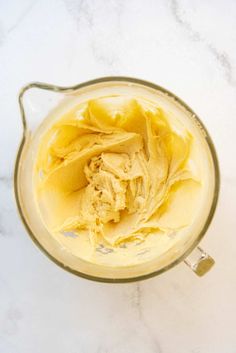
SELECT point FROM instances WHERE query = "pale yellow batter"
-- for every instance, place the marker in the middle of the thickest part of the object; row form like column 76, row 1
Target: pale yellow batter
column 114, row 173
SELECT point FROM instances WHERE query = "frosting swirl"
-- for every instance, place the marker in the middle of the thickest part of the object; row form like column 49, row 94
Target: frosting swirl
column 117, row 170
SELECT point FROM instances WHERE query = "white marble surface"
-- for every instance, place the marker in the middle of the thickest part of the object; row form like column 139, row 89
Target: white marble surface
column 188, row 47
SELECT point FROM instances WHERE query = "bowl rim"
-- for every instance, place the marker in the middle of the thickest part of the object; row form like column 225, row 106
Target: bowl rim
column 67, row 89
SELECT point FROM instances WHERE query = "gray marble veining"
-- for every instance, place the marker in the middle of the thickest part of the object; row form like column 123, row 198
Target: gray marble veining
column 189, row 48
column 221, row 57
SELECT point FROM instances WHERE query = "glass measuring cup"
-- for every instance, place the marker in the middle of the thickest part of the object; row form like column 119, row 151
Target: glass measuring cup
column 39, row 100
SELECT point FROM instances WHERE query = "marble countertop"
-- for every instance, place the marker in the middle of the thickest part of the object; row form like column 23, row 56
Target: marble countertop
column 186, row 46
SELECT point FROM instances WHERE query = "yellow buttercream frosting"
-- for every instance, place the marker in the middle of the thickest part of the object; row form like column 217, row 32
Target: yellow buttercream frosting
column 113, row 172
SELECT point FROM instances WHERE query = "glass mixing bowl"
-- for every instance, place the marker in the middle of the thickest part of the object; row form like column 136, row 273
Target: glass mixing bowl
column 39, row 105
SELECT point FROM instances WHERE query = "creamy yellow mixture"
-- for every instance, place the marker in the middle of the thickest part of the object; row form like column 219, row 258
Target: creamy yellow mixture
column 114, row 172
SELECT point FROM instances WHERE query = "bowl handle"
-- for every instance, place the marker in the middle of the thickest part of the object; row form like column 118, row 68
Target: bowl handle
column 40, row 86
